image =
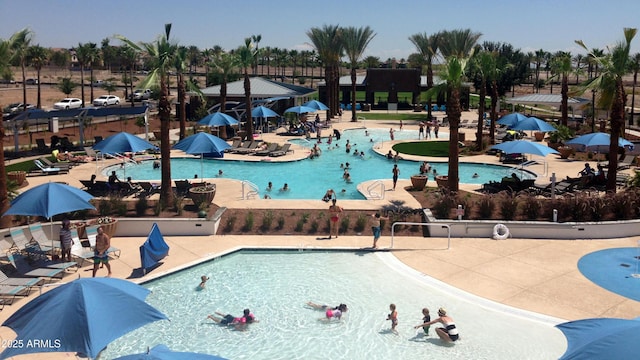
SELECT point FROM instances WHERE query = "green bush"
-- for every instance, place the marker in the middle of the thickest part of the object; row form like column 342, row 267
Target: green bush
column 105, row 207
column 485, row 207
column 344, row 224
column 314, row 226
column 530, row 207
column 231, row 222
column 508, row 205
column 267, row 221
column 361, row 223
column 299, row 225
column 280, row 224
column 248, row 222
column 444, row 203
column 141, row 205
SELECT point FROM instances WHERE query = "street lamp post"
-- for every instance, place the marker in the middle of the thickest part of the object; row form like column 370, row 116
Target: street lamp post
column 593, row 110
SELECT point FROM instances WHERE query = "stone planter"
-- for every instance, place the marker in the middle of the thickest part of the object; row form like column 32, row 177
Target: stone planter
column 442, row 181
column 109, row 228
column 18, row 176
column 565, row 151
column 419, row 182
column 202, row 195
column 538, row 135
column 81, row 228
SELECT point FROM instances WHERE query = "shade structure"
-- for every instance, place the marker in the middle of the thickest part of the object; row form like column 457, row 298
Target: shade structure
column 162, row 352
column 82, row 316
column 203, row 144
column 153, row 250
column 533, row 124
column 597, row 141
column 263, row 112
column 218, row 119
column 300, row 110
column 602, row 338
column 511, row 119
column 123, row 142
column 524, row 147
column 316, row 105
column 50, row 199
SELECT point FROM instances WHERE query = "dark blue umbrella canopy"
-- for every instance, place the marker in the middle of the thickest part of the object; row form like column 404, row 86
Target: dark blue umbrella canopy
column 511, row 119
column 123, row 142
column 604, row 338
column 524, row 147
column 202, row 143
column 300, row 110
column 50, row 199
column 597, row 141
column 263, row 112
column 218, row 119
column 533, row 124
column 162, row 352
column 82, row 316
column 316, row 105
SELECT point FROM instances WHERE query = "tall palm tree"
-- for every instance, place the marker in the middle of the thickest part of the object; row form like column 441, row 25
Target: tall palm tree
column 179, row 63
column 37, row 56
column 578, row 60
column 613, row 67
column 225, row 63
column 129, row 57
column 328, row 43
column 635, row 68
column 246, row 55
column 456, row 47
column 427, row 46
column 83, row 56
column 484, row 64
column 5, row 54
column 19, row 44
column 256, row 40
column 355, row 42
column 161, row 52
column 562, row 68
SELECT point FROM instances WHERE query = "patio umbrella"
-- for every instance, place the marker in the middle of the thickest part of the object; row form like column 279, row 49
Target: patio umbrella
column 82, row 316
column 533, row 124
column 123, row 142
column 263, row 112
column 597, row 141
column 162, row 352
column 50, row 199
column 300, row 110
column 511, row 119
column 218, row 119
column 316, row 105
column 203, row 143
column 524, row 147
column 604, row 338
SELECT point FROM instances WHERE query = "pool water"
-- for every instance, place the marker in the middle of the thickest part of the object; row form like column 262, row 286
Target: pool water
column 276, row 286
column 310, row 178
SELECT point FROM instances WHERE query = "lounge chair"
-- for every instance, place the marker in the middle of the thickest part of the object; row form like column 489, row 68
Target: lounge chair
column 248, row 150
column 24, row 269
column 43, row 169
column 42, row 146
column 92, row 233
column 245, row 145
column 9, row 293
column 271, row 148
column 42, row 261
column 90, row 152
column 148, row 188
column 283, row 151
column 78, row 251
column 40, row 237
column 235, row 145
column 626, row 162
column 182, row 187
column 60, row 165
column 19, row 281
column 20, row 239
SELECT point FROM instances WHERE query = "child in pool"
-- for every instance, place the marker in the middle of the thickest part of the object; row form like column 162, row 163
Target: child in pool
column 425, row 322
column 203, row 281
column 393, row 316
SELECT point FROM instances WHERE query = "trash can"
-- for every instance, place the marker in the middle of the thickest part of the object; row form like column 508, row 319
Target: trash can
column 366, row 107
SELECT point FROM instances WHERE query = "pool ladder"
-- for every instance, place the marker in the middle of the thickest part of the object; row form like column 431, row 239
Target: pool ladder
column 249, row 190
column 375, row 191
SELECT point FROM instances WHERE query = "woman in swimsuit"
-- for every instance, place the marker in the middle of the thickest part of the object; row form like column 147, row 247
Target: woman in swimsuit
column 238, row 322
column 334, row 212
column 448, row 332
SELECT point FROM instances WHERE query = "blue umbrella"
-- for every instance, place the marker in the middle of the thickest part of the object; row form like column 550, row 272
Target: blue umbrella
column 524, row 147
column 316, row 105
column 218, row 119
column 597, row 141
column 511, row 119
column 203, row 143
column 300, row 110
column 82, row 316
column 533, row 124
column 162, row 352
column 263, row 112
column 123, row 142
column 604, row 338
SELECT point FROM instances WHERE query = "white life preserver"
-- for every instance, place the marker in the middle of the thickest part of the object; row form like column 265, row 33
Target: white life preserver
column 500, row 232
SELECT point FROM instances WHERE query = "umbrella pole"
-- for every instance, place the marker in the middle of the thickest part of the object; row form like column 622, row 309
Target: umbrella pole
column 201, row 166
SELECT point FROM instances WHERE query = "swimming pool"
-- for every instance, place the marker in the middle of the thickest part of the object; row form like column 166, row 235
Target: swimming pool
column 310, row 178
column 276, row 286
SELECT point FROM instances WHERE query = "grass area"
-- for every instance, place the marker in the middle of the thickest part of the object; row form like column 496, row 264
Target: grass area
column 392, row 116
column 21, row 166
column 423, row 148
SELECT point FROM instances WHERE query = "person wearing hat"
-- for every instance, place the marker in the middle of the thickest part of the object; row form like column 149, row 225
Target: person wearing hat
column 66, row 241
column 448, row 332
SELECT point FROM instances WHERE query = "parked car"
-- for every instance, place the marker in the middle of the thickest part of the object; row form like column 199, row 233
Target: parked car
column 31, row 81
column 16, row 108
column 106, row 100
column 139, row 95
column 68, row 103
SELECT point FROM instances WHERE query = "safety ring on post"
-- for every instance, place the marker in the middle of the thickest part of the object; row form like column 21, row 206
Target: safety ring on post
column 500, row 232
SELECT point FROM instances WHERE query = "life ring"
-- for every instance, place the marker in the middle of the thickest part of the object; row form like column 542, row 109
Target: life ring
column 500, row 232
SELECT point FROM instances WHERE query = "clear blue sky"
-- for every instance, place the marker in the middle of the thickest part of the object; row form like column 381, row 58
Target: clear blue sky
column 526, row 24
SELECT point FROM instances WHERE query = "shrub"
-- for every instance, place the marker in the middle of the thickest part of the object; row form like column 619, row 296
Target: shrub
column 344, row 224
column 267, row 221
column 141, row 205
column 598, row 208
column 486, row 205
column 444, row 203
column 231, row 221
column 248, row 222
column 530, row 207
column 280, row 222
column 299, row 225
column 177, row 204
column 361, row 223
column 508, row 205
column 578, row 207
column 314, row 227
column 467, row 205
column 305, row 217
column 104, row 207
column 623, row 205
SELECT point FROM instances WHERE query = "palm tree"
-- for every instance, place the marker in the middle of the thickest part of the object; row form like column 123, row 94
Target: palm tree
column 82, row 53
column 129, row 56
column 225, row 63
column 37, row 56
column 538, row 58
column 179, row 61
column 427, row 46
column 162, row 53
column 484, row 64
column 613, row 67
column 19, row 45
column 246, row 55
column 635, row 67
column 561, row 67
column 355, row 42
column 256, row 40
column 328, row 43
column 456, row 47
column 5, row 54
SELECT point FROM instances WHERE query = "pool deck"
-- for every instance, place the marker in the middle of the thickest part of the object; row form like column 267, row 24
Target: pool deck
column 536, row 275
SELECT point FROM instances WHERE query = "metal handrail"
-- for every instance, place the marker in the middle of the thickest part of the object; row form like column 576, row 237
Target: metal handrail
column 444, row 226
column 253, row 189
column 371, row 194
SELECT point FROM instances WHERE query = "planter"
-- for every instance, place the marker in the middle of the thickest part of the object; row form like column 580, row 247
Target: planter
column 109, row 228
column 565, row 151
column 442, row 181
column 18, row 176
column 419, row 182
column 81, row 228
column 538, row 135
column 202, row 195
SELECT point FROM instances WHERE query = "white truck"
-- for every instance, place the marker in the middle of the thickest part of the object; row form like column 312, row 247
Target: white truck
column 140, row 95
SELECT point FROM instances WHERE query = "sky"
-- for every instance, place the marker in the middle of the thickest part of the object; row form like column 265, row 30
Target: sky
column 528, row 25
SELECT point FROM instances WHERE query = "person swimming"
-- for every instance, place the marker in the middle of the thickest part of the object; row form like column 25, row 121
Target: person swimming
column 330, row 312
column 203, row 281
